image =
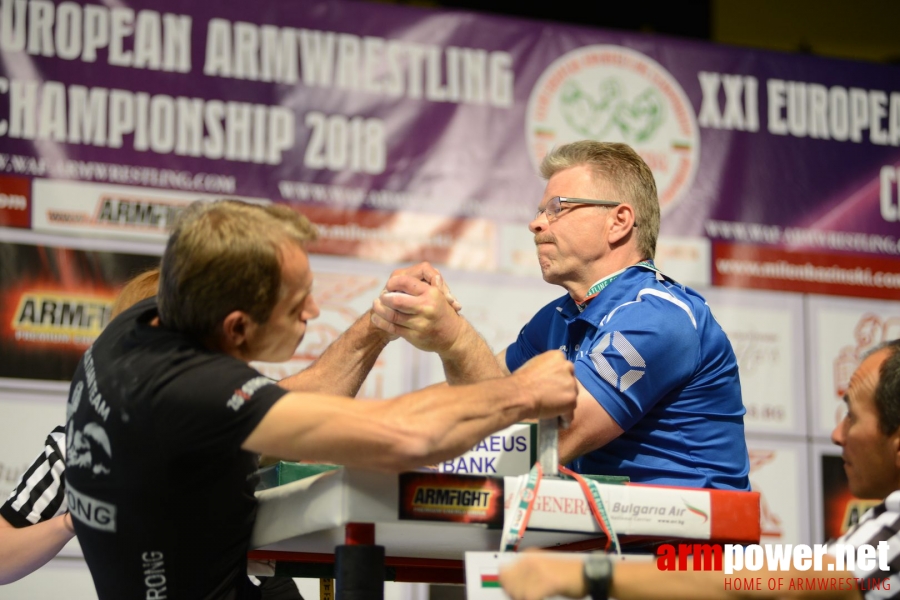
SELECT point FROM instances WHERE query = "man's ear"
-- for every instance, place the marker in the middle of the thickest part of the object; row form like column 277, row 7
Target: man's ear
column 894, row 440
column 235, row 329
column 622, row 223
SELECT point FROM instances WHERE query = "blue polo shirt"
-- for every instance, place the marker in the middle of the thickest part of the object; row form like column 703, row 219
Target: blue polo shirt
column 650, row 352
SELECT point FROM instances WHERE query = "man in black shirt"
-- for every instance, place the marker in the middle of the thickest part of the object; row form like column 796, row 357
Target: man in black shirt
column 165, row 415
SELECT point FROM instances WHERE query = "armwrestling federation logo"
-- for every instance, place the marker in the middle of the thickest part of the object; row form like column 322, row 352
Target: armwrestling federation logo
column 613, row 94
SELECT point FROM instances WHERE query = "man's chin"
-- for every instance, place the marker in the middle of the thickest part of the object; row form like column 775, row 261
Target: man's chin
column 280, row 356
column 548, row 274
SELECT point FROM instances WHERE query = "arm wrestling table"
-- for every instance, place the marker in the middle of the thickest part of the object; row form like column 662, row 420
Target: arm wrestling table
column 304, row 526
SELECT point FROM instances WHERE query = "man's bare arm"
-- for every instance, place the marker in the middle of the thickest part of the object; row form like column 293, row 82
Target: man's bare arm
column 415, row 429
column 26, row 549
column 345, row 364
column 591, row 428
column 470, row 359
column 421, row 314
column 540, row 575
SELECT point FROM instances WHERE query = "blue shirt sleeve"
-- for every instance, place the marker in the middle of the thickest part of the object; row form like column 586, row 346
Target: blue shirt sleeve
column 535, row 337
column 640, row 354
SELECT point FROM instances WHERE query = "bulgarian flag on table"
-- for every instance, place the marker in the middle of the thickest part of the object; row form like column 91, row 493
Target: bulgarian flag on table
column 490, row 579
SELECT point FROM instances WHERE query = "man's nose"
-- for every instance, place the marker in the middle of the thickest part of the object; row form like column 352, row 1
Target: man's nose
column 539, row 223
column 312, row 309
column 837, row 434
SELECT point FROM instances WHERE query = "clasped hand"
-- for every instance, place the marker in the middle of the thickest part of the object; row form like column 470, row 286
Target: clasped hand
column 417, row 305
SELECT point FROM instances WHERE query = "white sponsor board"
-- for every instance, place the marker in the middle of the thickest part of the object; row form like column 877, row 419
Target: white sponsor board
column 684, row 259
column 482, row 569
column 778, row 471
column 510, row 451
column 518, row 255
column 766, row 332
column 116, row 211
column 632, row 509
column 841, row 331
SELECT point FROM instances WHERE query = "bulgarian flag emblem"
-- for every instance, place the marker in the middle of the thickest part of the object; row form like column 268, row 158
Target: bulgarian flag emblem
column 490, row 580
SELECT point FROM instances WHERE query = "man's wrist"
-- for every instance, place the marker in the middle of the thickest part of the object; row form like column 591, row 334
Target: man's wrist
column 598, row 571
column 381, row 337
column 466, row 345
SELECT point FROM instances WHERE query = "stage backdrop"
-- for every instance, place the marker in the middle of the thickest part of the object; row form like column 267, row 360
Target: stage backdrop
column 408, row 133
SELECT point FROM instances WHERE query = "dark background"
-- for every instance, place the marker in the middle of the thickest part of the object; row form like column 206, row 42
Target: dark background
column 858, row 30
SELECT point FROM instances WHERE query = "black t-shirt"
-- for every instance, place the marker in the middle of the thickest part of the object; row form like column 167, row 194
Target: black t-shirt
column 159, row 488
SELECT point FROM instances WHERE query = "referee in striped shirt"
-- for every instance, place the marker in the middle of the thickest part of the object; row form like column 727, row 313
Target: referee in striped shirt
column 869, row 436
column 37, row 509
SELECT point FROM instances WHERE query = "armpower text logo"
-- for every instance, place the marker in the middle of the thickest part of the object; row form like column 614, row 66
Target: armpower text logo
column 455, row 498
column 59, row 318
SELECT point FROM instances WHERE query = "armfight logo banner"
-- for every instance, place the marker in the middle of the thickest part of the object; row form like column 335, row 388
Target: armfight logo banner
column 53, row 304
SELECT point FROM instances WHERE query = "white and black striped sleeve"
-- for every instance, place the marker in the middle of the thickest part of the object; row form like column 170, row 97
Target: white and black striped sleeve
column 40, row 494
column 880, row 524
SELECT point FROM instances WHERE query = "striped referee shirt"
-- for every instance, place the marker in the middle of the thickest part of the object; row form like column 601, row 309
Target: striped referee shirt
column 40, row 493
column 881, row 523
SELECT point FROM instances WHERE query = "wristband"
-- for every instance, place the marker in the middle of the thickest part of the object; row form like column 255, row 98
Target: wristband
column 598, row 570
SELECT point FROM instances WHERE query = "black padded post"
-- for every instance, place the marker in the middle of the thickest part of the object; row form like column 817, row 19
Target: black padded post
column 359, row 572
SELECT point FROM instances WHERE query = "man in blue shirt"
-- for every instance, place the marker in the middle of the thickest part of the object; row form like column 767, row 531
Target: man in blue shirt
column 659, row 394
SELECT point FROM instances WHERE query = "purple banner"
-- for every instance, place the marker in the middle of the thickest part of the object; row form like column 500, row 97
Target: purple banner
column 406, row 128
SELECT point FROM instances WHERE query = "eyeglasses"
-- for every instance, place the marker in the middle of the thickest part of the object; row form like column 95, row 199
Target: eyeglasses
column 554, row 206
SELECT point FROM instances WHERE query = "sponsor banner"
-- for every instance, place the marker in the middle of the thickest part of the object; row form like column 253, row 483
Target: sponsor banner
column 766, row 332
column 109, row 210
column 510, row 451
column 841, row 332
column 451, row 498
column 404, row 237
column 778, row 472
column 15, row 202
column 755, row 267
column 684, row 259
column 301, row 104
column 632, row 509
column 53, row 304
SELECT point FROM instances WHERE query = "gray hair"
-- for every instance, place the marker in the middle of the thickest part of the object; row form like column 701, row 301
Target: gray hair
column 626, row 171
